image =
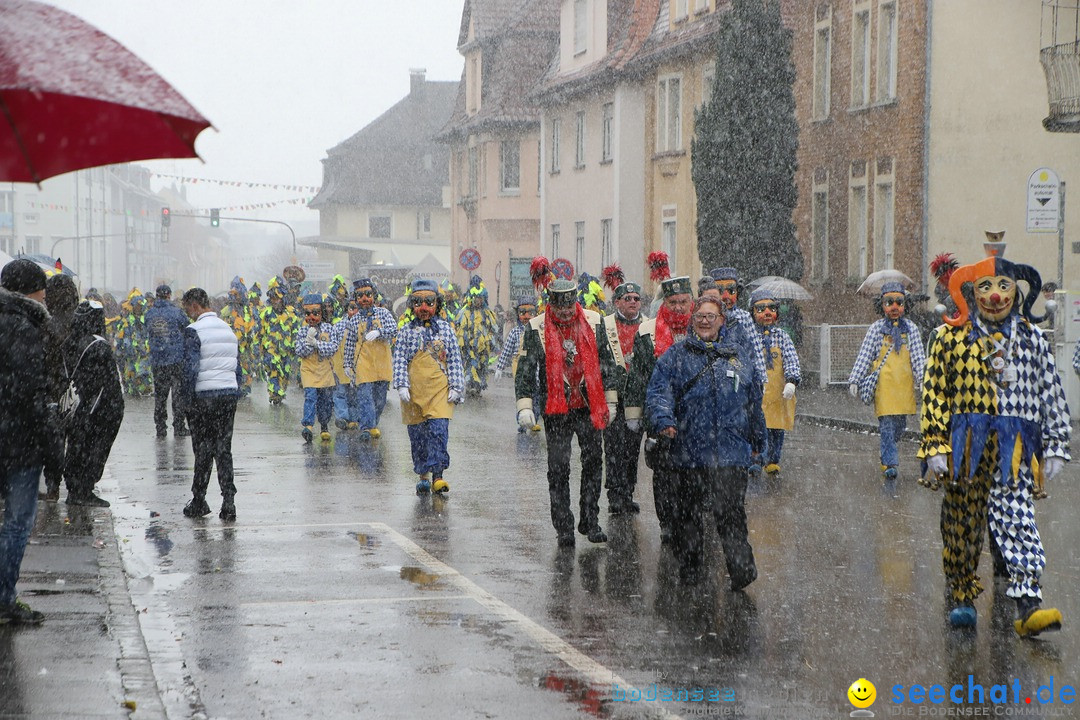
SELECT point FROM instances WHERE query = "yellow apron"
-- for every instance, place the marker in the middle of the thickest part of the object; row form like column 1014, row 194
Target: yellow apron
column 896, row 386
column 779, row 413
column 373, row 362
column 429, row 389
column 315, row 371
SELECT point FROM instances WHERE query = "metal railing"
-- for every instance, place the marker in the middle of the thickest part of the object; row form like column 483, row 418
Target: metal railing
column 829, row 351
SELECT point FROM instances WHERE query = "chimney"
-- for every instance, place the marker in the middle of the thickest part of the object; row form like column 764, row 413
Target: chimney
column 416, row 81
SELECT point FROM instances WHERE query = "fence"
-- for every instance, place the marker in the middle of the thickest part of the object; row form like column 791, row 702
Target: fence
column 829, row 351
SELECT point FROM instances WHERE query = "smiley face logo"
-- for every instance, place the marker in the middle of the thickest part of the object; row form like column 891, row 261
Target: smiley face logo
column 862, row 693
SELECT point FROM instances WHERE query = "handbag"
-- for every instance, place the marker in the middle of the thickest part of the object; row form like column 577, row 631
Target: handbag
column 69, row 401
column 868, row 384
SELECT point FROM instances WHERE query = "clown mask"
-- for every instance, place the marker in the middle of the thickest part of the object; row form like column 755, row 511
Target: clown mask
column 995, row 297
column 893, row 305
column 766, row 312
column 313, row 315
column 526, row 313
column 365, row 297
column 423, row 304
column 729, row 292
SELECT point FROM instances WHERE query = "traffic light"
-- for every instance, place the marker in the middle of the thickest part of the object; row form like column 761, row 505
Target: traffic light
column 215, row 217
column 166, row 218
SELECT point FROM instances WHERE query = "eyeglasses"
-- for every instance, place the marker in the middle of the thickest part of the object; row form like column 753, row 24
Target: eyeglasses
column 730, row 288
column 427, row 302
column 705, row 317
column 766, row 306
column 364, row 293
column 632, row 298
column 893, row 301
column 312, row 313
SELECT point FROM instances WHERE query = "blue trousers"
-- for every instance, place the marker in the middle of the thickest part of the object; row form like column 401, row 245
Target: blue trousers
column 370, row 401
column 317, row 402
column 347, row 403
column 890, row 427
column 428, row 443
column 775, row 439
column 20, row 488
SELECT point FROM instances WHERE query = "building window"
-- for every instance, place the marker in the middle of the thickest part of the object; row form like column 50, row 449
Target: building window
column 669, row 114
column 708, row 80
column 819, row 227
column 556, row 137
column 607, row 251
column 886, row 55
column 510, row 166
column 669, row 235
column 858, row 252
column 884, row 230
column 701, row 5
column 608, row 128
column 860, row 56
column 423, row 223
column 579, row 140
column 472, row 82
column 474, row 171
column 581, row 26
column 579, row 245
column 555, row 241
column 680, row 9
column 822, row 63
column 379, row 226
column 33, row 244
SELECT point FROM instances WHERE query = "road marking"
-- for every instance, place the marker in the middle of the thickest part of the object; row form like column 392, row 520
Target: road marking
column 593, row 671
column 356, row 601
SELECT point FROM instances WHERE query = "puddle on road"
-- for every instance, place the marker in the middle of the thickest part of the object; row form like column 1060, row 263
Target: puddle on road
column 371, row 541
column 593, row 699
column 419, row 576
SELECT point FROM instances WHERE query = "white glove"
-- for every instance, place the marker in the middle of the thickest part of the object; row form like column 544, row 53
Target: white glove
column 526, row 419
column 498, row 374
column 612, row 411
column 455, row 397
column 350, row 373
column 1051, row 467
column 312, row 334
column 633, row 424
column 854, row 390
column 789, row 391
column 372, row 334
column 938, row 464
column 403, row 393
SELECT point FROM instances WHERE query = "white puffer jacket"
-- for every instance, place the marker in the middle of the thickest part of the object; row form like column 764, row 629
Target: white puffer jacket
column 218, row 356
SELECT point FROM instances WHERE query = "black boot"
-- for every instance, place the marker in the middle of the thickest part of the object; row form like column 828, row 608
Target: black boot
column 197, row 508
column 228, row 510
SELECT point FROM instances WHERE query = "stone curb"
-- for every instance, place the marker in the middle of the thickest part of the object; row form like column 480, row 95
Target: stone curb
column 849, row 425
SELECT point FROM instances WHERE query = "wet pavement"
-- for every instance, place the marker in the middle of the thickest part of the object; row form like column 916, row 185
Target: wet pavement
column 340, row 593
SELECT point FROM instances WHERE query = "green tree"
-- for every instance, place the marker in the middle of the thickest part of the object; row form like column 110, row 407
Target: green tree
column 744, row 148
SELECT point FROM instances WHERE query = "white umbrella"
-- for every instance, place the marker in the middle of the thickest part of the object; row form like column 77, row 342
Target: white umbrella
column 5, row 258
column 780, row 288
column 875, row 280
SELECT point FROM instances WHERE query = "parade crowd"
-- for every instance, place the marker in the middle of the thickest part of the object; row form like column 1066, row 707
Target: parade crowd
column 706, row 386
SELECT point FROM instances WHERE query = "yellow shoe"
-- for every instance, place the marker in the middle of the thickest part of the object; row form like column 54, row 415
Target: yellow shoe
column 772, row 469
column 375, row 432
column 351, row 425
column 1037, row 621
column 325, row 436
column 536, row 428
column 440, row 486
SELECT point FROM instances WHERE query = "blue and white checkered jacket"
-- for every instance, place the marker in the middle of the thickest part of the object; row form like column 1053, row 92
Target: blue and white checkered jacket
column 363, row 322
column 415, row 338
column 777, row 337
column 870, row 350
column 511, row 347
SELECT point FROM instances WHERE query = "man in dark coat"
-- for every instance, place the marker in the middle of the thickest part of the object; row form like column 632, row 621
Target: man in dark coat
column 96, row 420
column 61, row 297
column 23, row 417
column 166, row 323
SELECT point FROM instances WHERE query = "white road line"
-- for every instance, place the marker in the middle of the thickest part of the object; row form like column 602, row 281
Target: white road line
column 593, row 671
column 357, row 601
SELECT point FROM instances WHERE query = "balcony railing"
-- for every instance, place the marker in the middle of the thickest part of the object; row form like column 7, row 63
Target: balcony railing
column 1061, row 63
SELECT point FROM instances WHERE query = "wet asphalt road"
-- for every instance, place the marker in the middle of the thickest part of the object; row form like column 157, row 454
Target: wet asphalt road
column 340, row 593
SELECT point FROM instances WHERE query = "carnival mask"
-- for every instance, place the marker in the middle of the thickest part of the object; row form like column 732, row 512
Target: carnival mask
column 765, row 312
column 313, row 315
column 995, row 297
column 893, row 305
column 424, row 305
column 365, row 297
column 729, row 292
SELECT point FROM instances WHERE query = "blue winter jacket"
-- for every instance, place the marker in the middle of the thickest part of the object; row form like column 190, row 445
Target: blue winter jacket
column 718, row 419
column 165, row 323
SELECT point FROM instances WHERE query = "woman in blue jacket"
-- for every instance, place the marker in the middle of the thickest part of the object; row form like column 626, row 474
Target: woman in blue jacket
column 703, row 403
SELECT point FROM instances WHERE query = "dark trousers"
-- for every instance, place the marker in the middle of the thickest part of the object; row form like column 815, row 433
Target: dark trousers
column 87, row 451
column 211, row 420
column 665, row 481
column 166, row 380
column 560, row 430
column 622, row 448
column 722, row 490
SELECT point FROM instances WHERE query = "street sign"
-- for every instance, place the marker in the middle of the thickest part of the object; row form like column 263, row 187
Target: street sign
column 563, row 268
column 318, row 270
column 1043, row 201
column 469, row 259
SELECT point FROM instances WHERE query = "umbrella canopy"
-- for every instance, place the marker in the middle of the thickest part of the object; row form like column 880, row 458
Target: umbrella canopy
column 47, row 263
column 4, row 258
column 780, row 288
column 71, row 97
column 873, row 282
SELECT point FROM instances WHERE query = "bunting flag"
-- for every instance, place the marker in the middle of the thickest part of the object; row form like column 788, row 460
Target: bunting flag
column 34, row 205
column 309, row 189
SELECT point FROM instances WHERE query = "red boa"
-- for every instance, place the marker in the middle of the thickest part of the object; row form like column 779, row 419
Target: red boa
column 668, row 325
column 585, row 340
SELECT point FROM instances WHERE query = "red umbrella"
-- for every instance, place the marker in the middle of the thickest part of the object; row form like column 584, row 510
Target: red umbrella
column 71, row 97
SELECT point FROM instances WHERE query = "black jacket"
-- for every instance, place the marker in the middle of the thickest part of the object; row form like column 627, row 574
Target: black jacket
column 96, row 378
column 22, row 381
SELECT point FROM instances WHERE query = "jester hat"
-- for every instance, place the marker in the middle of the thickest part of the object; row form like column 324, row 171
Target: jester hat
column 991, row 267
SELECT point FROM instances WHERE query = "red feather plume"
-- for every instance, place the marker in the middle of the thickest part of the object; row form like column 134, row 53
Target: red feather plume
column 658, row 266
column 540, row 272
column 943, row 267
column 613, row 276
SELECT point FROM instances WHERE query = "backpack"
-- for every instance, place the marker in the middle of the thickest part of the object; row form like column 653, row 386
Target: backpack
column 69, row 402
